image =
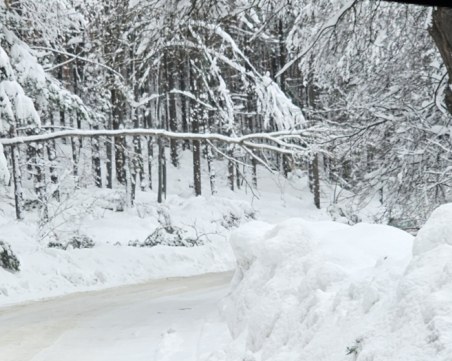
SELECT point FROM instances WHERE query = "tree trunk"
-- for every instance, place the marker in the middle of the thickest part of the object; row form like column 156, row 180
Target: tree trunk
column 211, row 169
column 441, row 32
column 254, row 164
column 17, row 181
column 40, row 183
column 96, row 161
column 314, row 180
column 117, row 123
column 172, row 114
column 231, row 169
column 161, row 156
column 196, row 159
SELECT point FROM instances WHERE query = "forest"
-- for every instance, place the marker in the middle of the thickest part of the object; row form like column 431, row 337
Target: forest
column 354, row 93
column 225, row 180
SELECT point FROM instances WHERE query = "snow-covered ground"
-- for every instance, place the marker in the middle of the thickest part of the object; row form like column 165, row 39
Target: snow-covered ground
column 49, row 271
column 304, row 288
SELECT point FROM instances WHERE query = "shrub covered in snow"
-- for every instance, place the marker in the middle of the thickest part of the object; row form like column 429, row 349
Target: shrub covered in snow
column 168, row 236
column 8, row 260
column 233, row 219
column 76, row 241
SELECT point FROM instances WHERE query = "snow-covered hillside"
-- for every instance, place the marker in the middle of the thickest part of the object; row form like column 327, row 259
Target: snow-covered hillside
column 327, row 291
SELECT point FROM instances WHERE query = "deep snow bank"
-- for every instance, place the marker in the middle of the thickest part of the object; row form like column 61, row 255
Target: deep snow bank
column 327, row 291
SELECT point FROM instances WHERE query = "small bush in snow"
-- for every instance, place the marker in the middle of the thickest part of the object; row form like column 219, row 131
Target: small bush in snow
column 77, row 241
column 168, row 236
column 80, row 241
column 8, row 259
column 234, row 219
column 56, row 245
column 230, row 220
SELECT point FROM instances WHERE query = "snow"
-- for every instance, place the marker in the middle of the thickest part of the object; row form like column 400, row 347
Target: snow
column 436, row 232
column 167, row 320
column 24, row 109
column 47, row 272
column 306, row 290
column 4, row 172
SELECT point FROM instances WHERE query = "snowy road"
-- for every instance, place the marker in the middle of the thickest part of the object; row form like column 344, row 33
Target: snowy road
column 173, row 319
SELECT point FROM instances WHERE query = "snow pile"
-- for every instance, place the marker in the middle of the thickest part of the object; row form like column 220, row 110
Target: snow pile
column 327, row 291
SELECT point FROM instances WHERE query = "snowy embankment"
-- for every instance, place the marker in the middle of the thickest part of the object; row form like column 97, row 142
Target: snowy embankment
column 111, row 261
column 326, row 291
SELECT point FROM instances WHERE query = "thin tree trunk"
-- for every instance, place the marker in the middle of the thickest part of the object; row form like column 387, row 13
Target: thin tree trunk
column 149, row 160
column 128, row 177
column 314, row 180
column 160, row 170
column 196, row 160
column 96, row 161
column 171, row 109
column 231, row 169
column 441, row 32
column 17, row 181
column 40, row 183
column 254, row 165
column 237, row 175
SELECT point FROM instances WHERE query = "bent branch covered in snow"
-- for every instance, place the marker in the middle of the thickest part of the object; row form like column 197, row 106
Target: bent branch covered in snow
column 248, row 141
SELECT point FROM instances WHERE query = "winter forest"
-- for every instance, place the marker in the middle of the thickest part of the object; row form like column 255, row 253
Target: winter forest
column 353, row 93
column 304, row 144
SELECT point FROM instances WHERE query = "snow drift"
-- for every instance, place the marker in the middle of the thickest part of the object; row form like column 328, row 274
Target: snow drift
column 326, row 291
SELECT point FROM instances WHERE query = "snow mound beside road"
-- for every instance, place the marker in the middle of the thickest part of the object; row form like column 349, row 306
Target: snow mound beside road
column 327, row 291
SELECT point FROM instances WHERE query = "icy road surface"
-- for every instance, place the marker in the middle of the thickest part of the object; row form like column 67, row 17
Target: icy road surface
column 172, row 319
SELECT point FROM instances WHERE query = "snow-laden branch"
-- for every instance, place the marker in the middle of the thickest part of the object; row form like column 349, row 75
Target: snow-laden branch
column 249, row 140
column 331, row 24
column 75, row 56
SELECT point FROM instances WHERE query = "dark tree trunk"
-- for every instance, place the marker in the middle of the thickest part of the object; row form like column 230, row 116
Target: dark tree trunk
column 161, row 151
column 52, row 156
column 172, row 114
column 40, row 183
column 231, row 169
column 441, row 31
column 314, row 179
column 184, row 114
column 254, row 164
column 196, row 159
column 96, row 161
column 237, row 175
column 17, row 181
column 117, row 122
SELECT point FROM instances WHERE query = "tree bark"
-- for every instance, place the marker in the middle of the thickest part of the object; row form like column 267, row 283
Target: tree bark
column 196, row 159
column 161, row 151
column 441, row 32
column 17, row 181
